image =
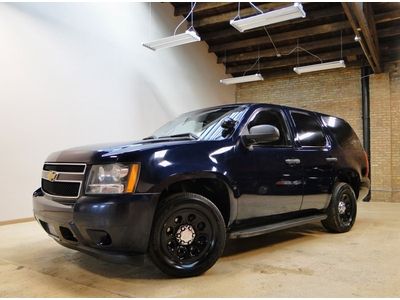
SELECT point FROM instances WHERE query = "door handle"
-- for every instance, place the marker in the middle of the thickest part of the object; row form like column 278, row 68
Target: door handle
column 331, row 159
column 292, row 161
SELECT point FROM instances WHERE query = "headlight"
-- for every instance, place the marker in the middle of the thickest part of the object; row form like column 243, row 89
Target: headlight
column 112, row 179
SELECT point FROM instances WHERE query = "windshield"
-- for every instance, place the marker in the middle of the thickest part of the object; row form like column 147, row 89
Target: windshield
column 201, row 124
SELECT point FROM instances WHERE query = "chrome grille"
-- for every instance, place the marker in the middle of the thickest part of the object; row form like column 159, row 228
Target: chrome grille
column 63, row 180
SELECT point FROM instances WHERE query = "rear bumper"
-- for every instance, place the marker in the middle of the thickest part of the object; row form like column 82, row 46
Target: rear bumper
column 365, row 188
column 104, row 224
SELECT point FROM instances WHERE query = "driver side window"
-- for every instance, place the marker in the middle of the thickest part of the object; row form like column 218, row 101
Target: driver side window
column 274, row 118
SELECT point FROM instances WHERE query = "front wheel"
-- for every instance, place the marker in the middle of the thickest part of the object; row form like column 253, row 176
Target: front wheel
column 342, row 209
column 188, row 235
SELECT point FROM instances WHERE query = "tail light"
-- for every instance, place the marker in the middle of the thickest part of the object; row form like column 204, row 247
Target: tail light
column 367, row 164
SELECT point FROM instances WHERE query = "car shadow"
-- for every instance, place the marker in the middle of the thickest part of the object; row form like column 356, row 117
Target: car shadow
column 141, row 267
column 237, row 246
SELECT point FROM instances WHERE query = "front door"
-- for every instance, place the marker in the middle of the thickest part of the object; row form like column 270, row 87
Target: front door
column 269, row 176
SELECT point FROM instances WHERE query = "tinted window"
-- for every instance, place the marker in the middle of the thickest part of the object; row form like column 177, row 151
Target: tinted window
column 309, row 132
column 274, row 118
column 342, row 132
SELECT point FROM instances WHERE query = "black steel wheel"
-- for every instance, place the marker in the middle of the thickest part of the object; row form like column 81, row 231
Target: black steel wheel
column 342, row 209
column 188, row 235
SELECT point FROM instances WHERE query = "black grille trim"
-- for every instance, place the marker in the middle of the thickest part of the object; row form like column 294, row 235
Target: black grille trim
column 62, row 182
column 67, row 168
column 66, row 189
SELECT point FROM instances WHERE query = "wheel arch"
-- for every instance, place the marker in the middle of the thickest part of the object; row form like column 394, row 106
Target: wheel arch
column 350, row 177
column 213, row 186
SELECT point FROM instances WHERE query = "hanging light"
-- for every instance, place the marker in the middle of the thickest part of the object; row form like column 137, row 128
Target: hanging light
column 242, row 79
column 279, row 15
column 189, row 36
column 320, row 67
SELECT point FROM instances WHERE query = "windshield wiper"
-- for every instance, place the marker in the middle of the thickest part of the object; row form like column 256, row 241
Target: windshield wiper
column 152, row 137
column 181, row 135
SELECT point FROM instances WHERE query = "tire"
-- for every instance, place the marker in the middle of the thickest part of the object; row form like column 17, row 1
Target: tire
column 342, row 209
column 188, row 235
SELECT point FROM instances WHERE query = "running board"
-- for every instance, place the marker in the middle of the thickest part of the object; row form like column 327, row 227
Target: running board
column 249, row 232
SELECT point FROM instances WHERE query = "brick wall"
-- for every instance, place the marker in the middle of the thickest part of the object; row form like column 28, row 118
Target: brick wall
column 338, row 92
column 385, row 135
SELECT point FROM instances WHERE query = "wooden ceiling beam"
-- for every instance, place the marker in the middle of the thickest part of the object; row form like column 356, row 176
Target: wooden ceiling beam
column 290, row 35
column 366, row 22
column 270, row 52
column 330, row 42
column 311, row 16
column 291, row 62
column 389, row 32
column 200, row 7
column 226, row 17
column 388, row 16
column 288, row 71
column 348, row 9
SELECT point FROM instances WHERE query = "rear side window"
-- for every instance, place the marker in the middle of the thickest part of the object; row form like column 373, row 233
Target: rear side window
column 309, row 132
column 342, row 132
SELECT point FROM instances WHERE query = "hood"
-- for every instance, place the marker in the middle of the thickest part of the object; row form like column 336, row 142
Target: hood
column 103, row 153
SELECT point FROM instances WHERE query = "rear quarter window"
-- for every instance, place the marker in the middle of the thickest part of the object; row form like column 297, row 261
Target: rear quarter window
column 342, row 132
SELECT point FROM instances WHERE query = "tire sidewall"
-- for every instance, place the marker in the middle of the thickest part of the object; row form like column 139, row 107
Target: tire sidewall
column 335, row 223
column 184, row 201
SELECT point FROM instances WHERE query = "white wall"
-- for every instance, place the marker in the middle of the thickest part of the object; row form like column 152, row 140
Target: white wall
column 75, row 74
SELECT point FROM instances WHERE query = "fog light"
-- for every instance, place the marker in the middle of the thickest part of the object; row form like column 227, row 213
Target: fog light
column 100, row 237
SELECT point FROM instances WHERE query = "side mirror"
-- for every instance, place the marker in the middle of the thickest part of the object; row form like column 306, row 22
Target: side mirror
column 261, row 134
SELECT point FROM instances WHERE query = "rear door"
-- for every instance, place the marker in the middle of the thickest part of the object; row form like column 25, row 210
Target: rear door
column 317, row 161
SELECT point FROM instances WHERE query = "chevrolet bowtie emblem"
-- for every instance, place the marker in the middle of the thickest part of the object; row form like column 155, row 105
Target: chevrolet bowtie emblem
column 52, row 176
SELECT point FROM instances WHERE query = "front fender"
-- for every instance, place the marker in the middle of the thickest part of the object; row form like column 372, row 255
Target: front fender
column 176, row 178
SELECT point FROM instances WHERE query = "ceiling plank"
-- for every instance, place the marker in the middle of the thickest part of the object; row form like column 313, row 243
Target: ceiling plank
column 389, row 32
column 200, row 7
column 288, row 71
column 215, row 35
column 388, row 17
column 349, row 39
column 335, row 41
column 311, row 16
column 295, row 34
column 291, row 62
column 226, row 17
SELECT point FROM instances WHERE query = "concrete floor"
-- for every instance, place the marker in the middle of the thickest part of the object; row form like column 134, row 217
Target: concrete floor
column 302, row 262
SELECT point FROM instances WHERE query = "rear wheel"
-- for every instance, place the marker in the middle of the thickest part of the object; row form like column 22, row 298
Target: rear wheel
column 188, row 235
column 342, row 209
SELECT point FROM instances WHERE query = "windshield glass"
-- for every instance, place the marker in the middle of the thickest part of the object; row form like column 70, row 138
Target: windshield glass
column 201, row 124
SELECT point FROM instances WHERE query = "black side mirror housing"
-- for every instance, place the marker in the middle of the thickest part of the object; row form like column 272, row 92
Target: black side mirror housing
column 261, row 134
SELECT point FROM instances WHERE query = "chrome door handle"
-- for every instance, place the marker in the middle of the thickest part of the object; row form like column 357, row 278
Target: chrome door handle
column 331, row 159
column 292, row 161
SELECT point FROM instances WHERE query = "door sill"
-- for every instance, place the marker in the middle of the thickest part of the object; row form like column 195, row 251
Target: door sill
column 259, row 230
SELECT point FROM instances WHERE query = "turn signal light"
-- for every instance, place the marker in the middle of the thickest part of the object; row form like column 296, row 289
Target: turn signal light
column 133, row 178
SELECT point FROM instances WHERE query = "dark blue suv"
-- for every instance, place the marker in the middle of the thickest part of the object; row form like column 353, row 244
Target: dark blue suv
column 232, row 171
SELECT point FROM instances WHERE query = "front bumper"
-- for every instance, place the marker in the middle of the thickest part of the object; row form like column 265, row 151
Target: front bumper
column 99, row 224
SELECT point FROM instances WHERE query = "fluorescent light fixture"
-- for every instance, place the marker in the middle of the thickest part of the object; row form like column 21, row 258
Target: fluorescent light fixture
column 279, row 15
column 320, row 67
column 241, row 79
column 189, row 36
